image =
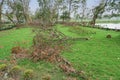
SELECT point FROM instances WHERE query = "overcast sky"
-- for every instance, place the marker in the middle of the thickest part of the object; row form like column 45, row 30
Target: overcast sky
column 90, row 4
column 33, row 5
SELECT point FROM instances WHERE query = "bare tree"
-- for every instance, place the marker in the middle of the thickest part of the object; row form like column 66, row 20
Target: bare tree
column 98, row 10
column 58, row 7
column 70, row 6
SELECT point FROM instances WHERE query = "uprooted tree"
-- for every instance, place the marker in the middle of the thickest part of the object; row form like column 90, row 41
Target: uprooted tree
column 48, row 41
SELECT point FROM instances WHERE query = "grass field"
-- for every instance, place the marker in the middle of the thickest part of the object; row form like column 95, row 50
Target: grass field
column 98, row 57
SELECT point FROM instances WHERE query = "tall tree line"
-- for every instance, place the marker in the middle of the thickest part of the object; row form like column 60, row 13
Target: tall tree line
column 55, row 9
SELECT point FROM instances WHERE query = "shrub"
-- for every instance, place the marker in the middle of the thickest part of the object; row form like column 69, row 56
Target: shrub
column 3, row 70
column 15, row 72
column 46, row 77
column 3, row 67
column 28, row 74
column 108, row 36
column 16, row 69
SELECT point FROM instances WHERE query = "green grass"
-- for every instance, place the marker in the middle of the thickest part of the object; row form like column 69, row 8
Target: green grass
column 14, row 37
column 23, row 37
column 98, row 57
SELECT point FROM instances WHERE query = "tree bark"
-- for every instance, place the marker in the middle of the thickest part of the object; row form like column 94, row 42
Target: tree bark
column 99, row 9
column 70, row 3
column 0, row 15
column 1, row 4
column 25, row 4
column 94, row 18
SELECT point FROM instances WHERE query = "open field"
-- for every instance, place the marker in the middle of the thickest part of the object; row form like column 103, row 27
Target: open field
column 98, row 57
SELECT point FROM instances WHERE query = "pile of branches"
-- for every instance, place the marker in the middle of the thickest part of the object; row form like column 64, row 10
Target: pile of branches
column 48, row 44
column 48, row 54
column 18, row 52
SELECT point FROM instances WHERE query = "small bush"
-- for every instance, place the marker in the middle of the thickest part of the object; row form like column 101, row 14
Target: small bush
column 16, row 50
column 16, row 69
column 46, row 77
column 28, row 74
column 3, row 70
column 3, row 67
column 108, row 36
column 15, row 72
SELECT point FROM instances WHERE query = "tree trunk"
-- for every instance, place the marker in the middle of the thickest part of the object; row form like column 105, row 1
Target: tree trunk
column 0, row 15
column 26, row 18
column 1, row 4
column 70, row 2
column 98, row 10
column 92, row 23
column 83, row 12
column 25, row 4
column 57, row 14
